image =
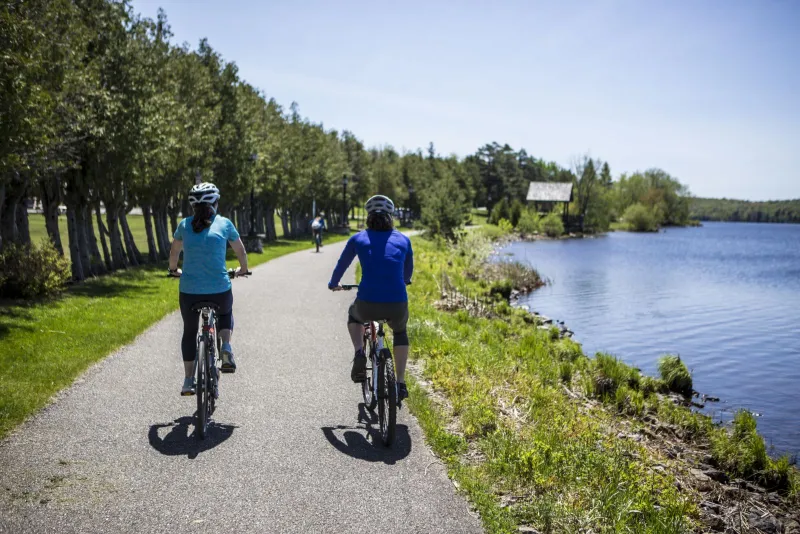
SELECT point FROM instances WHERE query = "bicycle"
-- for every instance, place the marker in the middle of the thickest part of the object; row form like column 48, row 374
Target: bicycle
column 380, row 387
column 208, row 362
column 318, row 238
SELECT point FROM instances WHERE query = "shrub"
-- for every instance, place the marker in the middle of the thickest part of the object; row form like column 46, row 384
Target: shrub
column 528, row 223
column 515, row 212
column 552, row 225
column 523, row 277
column 499, row 211
column 505, row 226
column 675, row 374
column 640, row 219
column 28, row 272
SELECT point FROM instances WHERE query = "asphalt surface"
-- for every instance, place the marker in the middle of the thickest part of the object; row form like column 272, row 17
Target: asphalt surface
column 291, row 447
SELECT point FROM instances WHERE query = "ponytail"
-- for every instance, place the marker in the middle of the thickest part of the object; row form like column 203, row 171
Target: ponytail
column 380, row 222
column 202, row 216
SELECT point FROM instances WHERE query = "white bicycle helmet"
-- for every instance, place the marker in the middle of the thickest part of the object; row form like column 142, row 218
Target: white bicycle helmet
column 380, row 204
column 205, row 193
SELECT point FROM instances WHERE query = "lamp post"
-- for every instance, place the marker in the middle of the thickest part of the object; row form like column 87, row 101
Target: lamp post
column 344, row 200
column 253, row 158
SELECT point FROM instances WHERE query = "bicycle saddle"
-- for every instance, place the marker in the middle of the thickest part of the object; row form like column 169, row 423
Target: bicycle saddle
column 197, row 306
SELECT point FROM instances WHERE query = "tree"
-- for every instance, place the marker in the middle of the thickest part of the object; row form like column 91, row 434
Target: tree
column 444, row 207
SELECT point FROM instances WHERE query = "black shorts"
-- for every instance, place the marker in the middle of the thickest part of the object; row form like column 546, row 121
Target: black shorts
column 395, row 313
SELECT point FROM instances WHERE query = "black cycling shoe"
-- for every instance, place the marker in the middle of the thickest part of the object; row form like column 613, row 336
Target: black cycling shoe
column 402, row 392
column 359, row 371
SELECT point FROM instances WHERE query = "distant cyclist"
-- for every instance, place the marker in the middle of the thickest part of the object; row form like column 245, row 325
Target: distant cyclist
column 317, row 227
column 204, row 238
column 387, row 263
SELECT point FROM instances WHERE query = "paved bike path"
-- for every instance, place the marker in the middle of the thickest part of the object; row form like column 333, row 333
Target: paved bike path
column 290, row 450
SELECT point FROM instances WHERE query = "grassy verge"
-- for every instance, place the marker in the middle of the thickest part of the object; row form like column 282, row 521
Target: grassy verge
column 537, row 434
column 45, row 345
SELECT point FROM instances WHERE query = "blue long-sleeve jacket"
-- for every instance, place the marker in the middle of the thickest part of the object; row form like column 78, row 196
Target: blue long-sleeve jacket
column 387, row 264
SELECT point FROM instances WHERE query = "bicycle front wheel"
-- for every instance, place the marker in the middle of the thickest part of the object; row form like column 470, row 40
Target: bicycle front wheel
column 387, row 397
column 201, row 425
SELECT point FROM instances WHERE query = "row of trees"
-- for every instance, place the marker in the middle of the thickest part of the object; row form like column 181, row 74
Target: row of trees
column 101, row 112
column 723, row 209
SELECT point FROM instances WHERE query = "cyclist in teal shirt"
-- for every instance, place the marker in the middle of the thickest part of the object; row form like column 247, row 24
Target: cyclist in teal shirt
column 204, row 239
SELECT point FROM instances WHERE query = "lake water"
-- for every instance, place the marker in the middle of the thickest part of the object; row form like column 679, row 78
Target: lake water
column 725, row 296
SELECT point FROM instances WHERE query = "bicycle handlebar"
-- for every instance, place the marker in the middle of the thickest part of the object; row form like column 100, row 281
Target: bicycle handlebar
column 231, row 274
column 348, row 287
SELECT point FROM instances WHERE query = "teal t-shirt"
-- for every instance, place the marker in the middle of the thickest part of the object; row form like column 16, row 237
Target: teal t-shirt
column 204, row 270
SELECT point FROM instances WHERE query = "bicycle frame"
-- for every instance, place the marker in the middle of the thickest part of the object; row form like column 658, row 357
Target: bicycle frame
column 377, row 337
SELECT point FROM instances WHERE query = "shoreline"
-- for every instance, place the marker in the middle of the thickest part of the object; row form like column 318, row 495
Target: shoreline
column 681, row 443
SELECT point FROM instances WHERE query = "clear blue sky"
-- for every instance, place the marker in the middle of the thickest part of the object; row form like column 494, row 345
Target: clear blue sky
column 707, row 90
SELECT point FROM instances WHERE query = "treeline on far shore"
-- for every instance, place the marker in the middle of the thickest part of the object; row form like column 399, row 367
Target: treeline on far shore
column 724, row 209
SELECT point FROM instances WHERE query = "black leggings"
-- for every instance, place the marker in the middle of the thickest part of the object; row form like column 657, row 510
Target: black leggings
column 191, row 319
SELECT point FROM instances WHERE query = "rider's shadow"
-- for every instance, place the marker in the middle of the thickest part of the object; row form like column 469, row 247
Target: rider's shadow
column 181, row 439
column 370, row 447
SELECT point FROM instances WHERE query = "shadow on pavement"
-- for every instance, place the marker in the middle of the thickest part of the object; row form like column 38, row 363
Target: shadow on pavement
column 370, row 448
column 180, row 440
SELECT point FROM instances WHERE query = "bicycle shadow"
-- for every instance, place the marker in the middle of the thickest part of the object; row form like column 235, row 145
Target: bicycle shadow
column 369, row 448
column 182, row 440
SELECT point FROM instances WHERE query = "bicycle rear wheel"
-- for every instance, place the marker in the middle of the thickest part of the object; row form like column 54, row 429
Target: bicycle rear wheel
column 387, row 397
column 367, row 385
column 202, row 389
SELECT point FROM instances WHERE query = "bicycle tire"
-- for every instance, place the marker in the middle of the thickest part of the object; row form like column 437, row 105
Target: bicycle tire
column 202, row 390
column 367, row 385
column 213, row 376
column 387, row 401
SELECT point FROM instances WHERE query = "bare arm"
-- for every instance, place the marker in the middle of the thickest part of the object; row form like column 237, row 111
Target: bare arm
column 175, row 253
column 241, row 254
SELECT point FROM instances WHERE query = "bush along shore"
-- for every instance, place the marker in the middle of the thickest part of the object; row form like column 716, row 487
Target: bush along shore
column 543, row 438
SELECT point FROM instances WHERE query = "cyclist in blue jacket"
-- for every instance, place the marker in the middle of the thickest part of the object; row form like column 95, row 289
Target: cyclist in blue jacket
column 387, row 263
column 204, row 239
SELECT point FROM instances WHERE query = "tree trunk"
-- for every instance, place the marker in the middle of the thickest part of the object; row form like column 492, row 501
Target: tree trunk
column 242, row 215
column 118, row 260
column 152, row 255
column 173, row 214
column 83, row 241
column 2, row 203
column 8, row 220
column 260, row 219
column 101, row 228
column 134, row 256
column 269, row 223
column 98, row 267
column 162, row 239
column 51, row 198
column 23, row 230
column 285, row 224
column 74, row 248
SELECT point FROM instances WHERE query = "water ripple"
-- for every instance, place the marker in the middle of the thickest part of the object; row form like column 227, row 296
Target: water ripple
column 725, row 297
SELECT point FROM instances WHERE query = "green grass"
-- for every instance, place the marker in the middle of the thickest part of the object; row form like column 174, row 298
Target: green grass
column 39, row 232
column 479, row 216
column 526, row 453
column 45, row 345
